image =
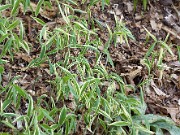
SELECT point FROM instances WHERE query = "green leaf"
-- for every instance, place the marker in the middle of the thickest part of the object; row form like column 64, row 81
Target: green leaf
column 51, row 67
column 62, row 116
column 178, row 48
column 1, row 69
column 145, row 4
column 25, row 46
column 26, row 5
column 167, row 47
column 40, row 115
column 63, row 32
column 109, row 59
column 72, row 90
column 21, row 30
column 151, row 118
column 43, row 51
column 120, row 123
column 8, row 124
column 72, row 2
column 13, row 25
column 46, row 114
column 135, row 4
column 159, row 62
column 79, row 11
column 84, row 46
column 105, row 114
column 42, row 33
column 20, row 118
column 3, row 37
column 34, row 62
column 15, row 7
column 173, row 130
column 6, row 47
column 150, row 50
column 9, row 115
column 22, row 92
column 128, row 116
column 141, row 128
column 65, row 70
column 151, row 35
column 88, row 83
column 6, row 104
column 4, row 133
column 30, row 106
column 45, row 127
column 83, row 27
column 4, row 7
column 66, row 19
column 38, row 7
column 39, row 21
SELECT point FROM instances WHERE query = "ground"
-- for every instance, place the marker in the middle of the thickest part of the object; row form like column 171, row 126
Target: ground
column 158, row 77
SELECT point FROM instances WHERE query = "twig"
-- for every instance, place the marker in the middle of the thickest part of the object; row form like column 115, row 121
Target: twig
column 171, row 32
column 177, row 12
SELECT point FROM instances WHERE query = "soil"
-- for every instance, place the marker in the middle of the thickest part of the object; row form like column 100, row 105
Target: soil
column 162, row 94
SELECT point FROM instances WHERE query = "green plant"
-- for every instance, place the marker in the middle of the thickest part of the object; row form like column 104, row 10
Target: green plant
column 83, row 93
column 14, row 41
column 163, row 49
column 178, row 51
column 144, row 2
column 122, row 32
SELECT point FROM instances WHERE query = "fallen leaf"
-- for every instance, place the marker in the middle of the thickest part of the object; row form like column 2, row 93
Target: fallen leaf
column 23, row 56
column 173, row 112
column 116, row 9
column 166, row 2
column 175, row 63
column 129, row 6
column 179, row 102
column 154, row 24
column 134, row 73
column 157, row 90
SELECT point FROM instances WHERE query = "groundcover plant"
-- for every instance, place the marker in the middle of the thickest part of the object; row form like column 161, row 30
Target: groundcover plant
column 57, row 75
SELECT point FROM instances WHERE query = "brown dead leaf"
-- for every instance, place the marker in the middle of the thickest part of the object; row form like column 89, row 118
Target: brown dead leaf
column 116, row 9
column 179, row 102
column 23, row 56
column 44, row 65
column 157, row 90
column 176, row 79
column 177, row 28
column 130, row 7
column 154, row 24
column 173, row 112
column 138, row 17
column 46, row 12
column 31, row 92
column 47, row 71
column 41, row 91
column 133, row 73
column 166, row 2
column 175, row 63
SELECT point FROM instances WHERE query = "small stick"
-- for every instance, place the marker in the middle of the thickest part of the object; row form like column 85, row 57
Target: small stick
column 171, row 32
column 177, row 12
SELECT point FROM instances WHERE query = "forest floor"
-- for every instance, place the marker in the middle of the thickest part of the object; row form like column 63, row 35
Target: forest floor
column 156, row 73
column 161, row 18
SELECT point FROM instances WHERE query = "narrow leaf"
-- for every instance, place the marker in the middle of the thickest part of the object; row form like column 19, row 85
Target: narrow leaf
column 62, row 116
column 38, row 7
column 15, row 7
column 4, row 7
column 120, row 123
